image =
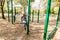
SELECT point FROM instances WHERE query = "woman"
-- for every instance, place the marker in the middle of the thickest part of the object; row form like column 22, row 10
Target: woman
column 23, row 20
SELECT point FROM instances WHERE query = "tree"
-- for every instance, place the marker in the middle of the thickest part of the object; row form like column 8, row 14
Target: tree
column 53, row 0
column 24, row 3
column 2, row 6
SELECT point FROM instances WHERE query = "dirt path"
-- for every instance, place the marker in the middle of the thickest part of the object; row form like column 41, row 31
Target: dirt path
column 9, row 31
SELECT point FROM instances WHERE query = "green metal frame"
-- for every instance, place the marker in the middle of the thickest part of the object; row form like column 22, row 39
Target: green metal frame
column 28, row 17
column 47, row 19
column 49, row 36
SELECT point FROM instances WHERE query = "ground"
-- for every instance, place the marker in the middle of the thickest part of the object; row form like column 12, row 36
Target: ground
column 16, row 31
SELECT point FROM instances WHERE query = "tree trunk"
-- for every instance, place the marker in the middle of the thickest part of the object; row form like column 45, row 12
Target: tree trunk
column 2, row 13
column 8, row 11
column 2, row 10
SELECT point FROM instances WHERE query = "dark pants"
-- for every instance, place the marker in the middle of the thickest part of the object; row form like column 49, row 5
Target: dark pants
column 25, row 26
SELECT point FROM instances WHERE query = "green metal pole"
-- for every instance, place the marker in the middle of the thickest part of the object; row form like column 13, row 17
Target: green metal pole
column 33, row 16
column 8, row 11
column 38, row 17
column 28, row 17
column 12, row 10
column 47, row 19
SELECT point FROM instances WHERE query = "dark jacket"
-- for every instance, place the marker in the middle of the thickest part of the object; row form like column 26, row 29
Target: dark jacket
column 23, row 18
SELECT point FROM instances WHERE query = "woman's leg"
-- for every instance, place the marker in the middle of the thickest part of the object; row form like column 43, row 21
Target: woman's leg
column 25, row 26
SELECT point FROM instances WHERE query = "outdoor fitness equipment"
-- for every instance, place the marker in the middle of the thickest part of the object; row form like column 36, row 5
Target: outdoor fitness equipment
column 47, row 20
column 28, row 17
column 54, row 30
